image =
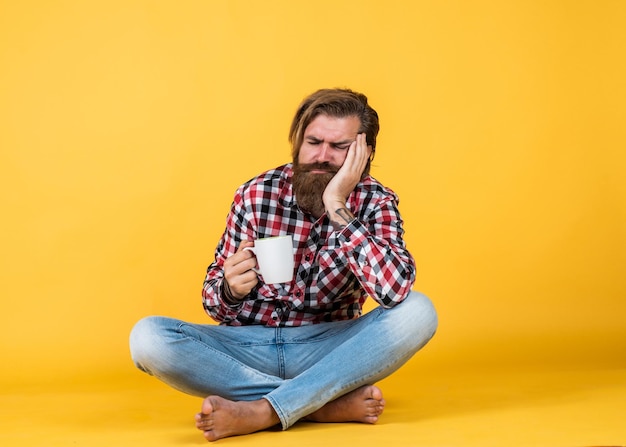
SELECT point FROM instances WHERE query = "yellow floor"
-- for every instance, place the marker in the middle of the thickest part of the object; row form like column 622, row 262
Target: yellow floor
column 427, row 406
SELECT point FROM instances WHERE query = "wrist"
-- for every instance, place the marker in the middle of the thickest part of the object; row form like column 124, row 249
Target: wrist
column 227, row 294
column 340, row 217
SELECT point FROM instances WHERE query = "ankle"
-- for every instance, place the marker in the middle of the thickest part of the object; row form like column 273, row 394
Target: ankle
column 266, row 412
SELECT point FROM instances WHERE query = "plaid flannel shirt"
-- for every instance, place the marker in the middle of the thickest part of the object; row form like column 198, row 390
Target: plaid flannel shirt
column 335, row 271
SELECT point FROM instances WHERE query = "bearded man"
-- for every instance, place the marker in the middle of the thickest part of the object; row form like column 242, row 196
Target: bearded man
column 301, row 350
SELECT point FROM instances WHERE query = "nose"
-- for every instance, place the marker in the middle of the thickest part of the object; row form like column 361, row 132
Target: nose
column 324, row 154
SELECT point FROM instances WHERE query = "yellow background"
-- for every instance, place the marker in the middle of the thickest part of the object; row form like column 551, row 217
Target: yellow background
column 125, row 127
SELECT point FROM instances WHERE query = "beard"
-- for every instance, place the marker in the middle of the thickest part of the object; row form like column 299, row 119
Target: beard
column 308, row 187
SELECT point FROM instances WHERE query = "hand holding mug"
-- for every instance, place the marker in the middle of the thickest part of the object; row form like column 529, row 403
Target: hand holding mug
column 274, row 257
column 238, row 271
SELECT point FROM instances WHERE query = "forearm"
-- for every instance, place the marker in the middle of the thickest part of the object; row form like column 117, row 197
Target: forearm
column 375, row 250
column 386, row 272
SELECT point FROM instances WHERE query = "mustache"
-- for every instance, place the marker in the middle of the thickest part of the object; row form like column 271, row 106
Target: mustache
column 308, row 167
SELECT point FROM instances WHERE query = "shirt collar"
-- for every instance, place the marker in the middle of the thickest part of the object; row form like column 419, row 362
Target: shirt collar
column 287, row 197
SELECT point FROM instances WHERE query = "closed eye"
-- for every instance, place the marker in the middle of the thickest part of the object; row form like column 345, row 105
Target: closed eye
column 341, row 147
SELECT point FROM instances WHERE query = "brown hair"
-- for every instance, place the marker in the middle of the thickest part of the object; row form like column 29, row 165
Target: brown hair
column 337, row 103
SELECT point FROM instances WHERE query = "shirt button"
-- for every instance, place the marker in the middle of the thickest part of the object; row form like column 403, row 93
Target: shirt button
column 307, row 258
column 298, row 294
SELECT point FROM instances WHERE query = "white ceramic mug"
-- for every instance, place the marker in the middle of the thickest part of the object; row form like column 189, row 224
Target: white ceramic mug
column 274, row 256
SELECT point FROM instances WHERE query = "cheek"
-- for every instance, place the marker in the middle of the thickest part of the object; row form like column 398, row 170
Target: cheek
column 305, row 155
column 339, row 158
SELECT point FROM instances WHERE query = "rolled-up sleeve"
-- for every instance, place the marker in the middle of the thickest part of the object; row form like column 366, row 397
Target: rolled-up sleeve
column 376, row 252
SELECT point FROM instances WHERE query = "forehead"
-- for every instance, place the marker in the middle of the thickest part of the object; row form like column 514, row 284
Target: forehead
column 331, row 128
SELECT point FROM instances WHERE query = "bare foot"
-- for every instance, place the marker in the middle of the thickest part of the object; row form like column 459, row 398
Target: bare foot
column 220, row 418
column 364, row 404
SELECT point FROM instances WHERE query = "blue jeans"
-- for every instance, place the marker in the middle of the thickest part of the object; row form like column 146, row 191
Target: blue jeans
column 297, row 369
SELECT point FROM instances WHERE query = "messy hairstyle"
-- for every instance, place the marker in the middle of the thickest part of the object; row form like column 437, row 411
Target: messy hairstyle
column 335, row 103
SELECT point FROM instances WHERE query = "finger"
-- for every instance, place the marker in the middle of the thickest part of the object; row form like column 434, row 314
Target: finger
column 367, row 149
column 241, row 254
column 362, row 140
column 362, row 153
column 240, row 285
column 245, row 280
column 237, row 265
column 249, row 279
column 349, row 161
column 353, row 159
column 244, row 243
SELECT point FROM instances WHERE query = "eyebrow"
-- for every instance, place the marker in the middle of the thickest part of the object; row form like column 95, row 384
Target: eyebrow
column 334, row 143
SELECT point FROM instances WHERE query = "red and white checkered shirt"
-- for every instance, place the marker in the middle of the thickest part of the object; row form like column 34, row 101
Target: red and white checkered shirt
column 335, row 271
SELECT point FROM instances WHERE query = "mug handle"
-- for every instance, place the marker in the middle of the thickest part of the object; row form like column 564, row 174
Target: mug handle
column 255, row 270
